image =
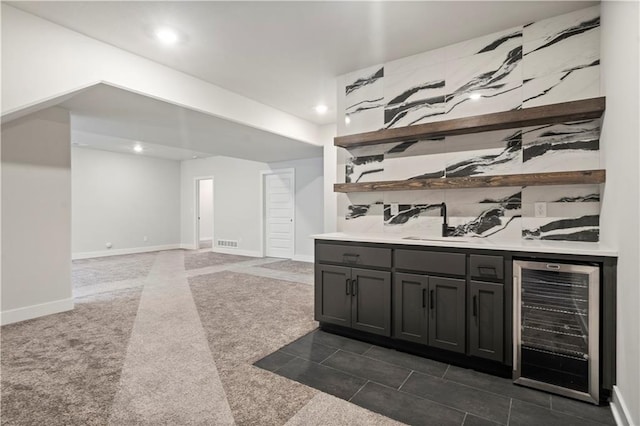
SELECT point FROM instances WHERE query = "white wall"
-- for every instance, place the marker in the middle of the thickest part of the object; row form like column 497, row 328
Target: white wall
column 206, row 209
column 36, row 216
column 621, row 196
column 330, row 155
column 122, row 198
column 236, row 197
column 42, row 60
column 309, row 208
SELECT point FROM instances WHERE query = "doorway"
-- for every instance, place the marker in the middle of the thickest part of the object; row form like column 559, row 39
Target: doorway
column 278, row 207
column 204, row 213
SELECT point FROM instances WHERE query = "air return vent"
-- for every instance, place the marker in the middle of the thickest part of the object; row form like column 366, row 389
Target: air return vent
column 227, row 243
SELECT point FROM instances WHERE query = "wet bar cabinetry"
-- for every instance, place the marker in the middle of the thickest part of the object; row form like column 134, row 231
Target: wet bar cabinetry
column 449, row 303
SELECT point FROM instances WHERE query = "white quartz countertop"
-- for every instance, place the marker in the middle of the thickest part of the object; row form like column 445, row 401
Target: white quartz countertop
column 537, row 246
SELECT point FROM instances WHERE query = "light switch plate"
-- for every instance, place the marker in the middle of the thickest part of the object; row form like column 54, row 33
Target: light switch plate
column 395, row 209
column 540, row 209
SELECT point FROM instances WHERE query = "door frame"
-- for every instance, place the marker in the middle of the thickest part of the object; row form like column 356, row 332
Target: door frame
column 263, row 210
column 196, row 211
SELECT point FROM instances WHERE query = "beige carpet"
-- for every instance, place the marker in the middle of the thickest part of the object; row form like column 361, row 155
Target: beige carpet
column 168, row 338
column 291, row 266
column 64, row 369
column 246, row 318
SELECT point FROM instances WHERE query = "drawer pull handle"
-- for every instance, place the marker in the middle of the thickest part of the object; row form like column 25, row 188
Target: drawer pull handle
column 348, row 284
column 350, row 257
column 354, row 289
column 424, row 297
column 487, row 271
column 431, row 301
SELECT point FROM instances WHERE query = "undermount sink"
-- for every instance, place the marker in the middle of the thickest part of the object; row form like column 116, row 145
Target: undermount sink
column 447, row 239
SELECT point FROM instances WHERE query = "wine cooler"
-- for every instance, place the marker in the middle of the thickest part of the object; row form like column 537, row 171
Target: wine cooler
column 556, row 328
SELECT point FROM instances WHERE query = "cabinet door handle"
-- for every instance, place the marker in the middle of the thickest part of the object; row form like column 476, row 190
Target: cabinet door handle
column 354, row 289
column 431, row 303
column 348, row 284
column 424, row 297
column 475, row 306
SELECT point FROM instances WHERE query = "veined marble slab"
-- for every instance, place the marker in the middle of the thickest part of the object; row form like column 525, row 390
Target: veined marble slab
column 494, row 76
column 565, row 86
column 364, row 169
column 423, row 159
column 572, row 49
column 485, row 212
column 409, row 213
column 561, row 147
column 364, row 100
column 496, row 161
column 501, row 40
column 563, row 25
column 561, row 194
column 414, row 97
column 584, row 228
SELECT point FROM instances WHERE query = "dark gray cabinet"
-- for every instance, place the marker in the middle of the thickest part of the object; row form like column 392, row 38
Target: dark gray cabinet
column 447, row 313
column 354, row 297
column 430, row 310
column 333, row 294
column 410, row 307
column 371, row 301
column 486, row 325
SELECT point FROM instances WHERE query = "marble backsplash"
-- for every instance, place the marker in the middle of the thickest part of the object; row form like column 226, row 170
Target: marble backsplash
column 545, row 62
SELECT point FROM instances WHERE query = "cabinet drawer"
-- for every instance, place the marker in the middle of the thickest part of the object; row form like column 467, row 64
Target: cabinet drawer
column 354, row 255
column 487, row 267
column 433, row 262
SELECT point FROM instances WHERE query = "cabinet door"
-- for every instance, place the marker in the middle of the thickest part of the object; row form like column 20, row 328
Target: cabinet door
column 486, row 328
column 371, row 305
column 333, row 294
column 447, row 313
column 410, row 307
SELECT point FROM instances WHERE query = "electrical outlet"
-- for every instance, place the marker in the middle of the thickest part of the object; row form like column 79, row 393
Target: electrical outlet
column 540, row 209
column 395, row 209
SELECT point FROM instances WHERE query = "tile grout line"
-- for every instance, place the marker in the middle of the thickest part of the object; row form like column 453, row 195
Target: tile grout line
column 332, row 354
column 357, row 392
column 464, row 419
column 405, row 380
column 509, row 415
column 445, row 371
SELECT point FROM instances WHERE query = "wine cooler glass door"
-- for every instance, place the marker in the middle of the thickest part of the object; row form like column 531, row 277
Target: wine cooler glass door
column 557, row 328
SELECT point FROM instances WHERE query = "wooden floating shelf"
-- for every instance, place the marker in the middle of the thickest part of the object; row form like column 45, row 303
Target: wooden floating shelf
column 546, row 114
column 535, row 179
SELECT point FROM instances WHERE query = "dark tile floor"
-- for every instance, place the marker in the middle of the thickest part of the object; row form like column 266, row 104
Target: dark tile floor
column 420, row 391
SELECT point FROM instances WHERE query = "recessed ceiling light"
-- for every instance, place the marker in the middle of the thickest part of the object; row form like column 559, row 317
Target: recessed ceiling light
column 321, row 109
column 167, row 35
column 475, row 96
column 347, row 120
column 138, row 148
column 194, row 157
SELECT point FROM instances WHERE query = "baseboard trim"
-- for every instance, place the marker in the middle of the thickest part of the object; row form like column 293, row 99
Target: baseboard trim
column 240, row 252
column 620, row 409
column 35, row 311
column 303, row 258
column 118, row 252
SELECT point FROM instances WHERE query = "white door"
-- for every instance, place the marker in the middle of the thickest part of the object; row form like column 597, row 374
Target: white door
column 279, row 206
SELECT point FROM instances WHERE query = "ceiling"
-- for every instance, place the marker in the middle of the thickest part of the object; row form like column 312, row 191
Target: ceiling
column 287, row 54
column 112, row 119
